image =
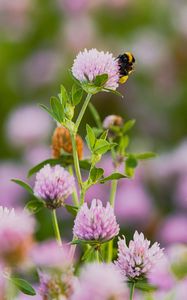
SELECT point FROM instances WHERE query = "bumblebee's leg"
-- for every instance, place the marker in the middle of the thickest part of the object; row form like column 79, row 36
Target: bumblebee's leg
column 123, row 79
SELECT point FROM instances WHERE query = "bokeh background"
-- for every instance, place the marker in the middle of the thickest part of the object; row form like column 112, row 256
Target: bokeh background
column 38, row 42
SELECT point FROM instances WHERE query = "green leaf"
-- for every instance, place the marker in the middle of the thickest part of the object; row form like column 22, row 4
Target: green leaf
column 128, row 125
column 76, row 94
column 146, row 155
column 57, row 109
column 74, row 79
column 130, row 165
column 85, row 164
column 96, row 174
column 24, row 185
column 101, row 146
column 63, row 95
column 90, row 88
column 104, row 135
column 90, row 138
column 44, row 107
column 113, row 92
column 131, row 162
column 23, row 286
column 145, row 286
column 100, row 80
column 123, row 144
column 89, row 255
column 72, row 209
column 34, row 206
column 114, row 176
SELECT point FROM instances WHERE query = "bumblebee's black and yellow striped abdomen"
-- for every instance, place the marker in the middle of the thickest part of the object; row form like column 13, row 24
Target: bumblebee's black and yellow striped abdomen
column 126, row 65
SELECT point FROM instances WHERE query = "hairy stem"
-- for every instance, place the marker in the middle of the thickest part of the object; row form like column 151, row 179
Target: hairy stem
column 56, row 228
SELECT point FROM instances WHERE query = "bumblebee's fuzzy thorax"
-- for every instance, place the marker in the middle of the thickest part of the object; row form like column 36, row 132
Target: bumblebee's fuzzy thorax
column 126, row 65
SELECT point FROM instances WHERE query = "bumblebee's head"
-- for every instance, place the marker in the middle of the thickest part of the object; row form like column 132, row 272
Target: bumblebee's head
column 126, row 58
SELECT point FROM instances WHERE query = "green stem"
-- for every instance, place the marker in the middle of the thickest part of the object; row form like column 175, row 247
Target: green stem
column 83, row 109
column 76, row 160
column 74, row 194
column 56, row 228
column 95, row 116
column 82, row 196
column 132, row 290
column 112, row 202
column 113, row 192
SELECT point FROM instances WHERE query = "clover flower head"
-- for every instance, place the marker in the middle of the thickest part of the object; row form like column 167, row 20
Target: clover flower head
column 16, row 230
column 57, row 285
column 97, row 223
column 90, row 63
column 54, row 185
column 136, row 260
column 92, row 283
column 112, row 120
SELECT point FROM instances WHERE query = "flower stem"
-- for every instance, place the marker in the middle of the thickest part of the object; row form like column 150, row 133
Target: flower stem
column 56, row 228
column 132, row 290
column 76, row 160
column 74, row 194
column 83, row 192
column 112, row 202
column 83, row 109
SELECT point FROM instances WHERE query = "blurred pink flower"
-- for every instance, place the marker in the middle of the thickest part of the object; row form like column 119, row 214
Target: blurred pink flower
column 90, row 63
column 101, row 282
column 181, row 191
column 161, row 275
column 149, row 39
column 42, row 68
column 83, row 37
column 54, row 185
column 34, row 155
column 138, row 259
column 173, row 229
column 74, row 6
column 28, row 125
column 15, row 20
column 49, row 255
column 16, row 235
column 10, row 193
column 133, row 203
column 95, row 223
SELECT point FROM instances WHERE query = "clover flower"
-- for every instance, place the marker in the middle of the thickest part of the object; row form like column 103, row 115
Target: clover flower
column 100, row 281
column 90, row 63
column 54, row 185
column 137, row 260
column 96, row 223
column 57, row 284
column 16, row 230
column 112, row 120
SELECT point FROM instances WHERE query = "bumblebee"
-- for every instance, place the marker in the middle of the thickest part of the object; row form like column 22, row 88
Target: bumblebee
column 126, row 65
